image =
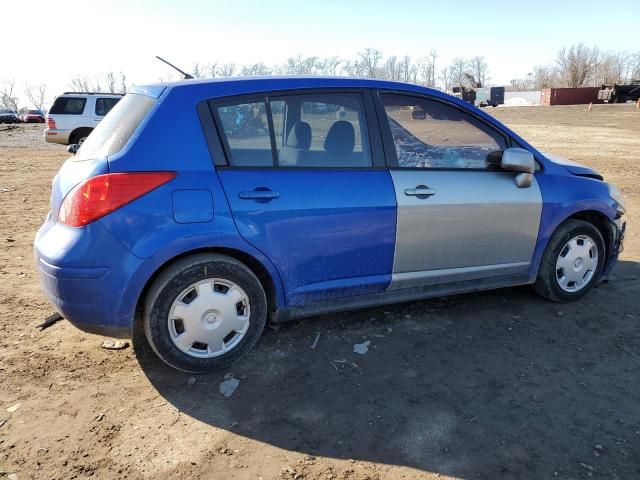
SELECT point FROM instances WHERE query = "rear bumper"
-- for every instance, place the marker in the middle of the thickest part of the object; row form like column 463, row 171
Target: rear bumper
column 57, row 136
column 86, row 274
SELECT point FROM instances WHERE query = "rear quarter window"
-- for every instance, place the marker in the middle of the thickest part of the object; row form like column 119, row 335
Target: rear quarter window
column 117, row 127
column 104, row 105
column 68, row 106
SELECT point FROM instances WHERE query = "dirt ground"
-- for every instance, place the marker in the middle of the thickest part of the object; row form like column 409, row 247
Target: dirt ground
column 494, row 385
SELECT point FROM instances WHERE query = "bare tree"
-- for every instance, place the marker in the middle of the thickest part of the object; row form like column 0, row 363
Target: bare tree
column 110, row 80
column 227, row 70
column 391, row 68
column 300, row 65
column 197, row 72
column 543, row 76
column 213, row 69
column 8, row 97
column 332, row 66
column 368, row 62
column 406, row 70
column 574, row 64
column 613, row 67
column 634, row 69
column 479, row 69
column 433, row 54
column 445, row 78
column 256, row 69
column 426, row 69
column 36, row 95
column 81, row 84
column 123, row 83
column 457, row 71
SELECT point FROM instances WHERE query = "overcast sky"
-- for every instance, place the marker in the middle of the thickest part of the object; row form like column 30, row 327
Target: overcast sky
column 78, row 38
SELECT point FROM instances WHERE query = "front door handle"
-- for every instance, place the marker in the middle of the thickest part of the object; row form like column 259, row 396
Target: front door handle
column 421, row 191
column 259, row 195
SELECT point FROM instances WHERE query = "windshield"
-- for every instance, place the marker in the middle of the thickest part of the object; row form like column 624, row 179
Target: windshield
column 113, row 132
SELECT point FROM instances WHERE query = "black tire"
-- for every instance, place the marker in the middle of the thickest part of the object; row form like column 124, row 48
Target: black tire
column 80, row 136
column 547, row 284
column 180, row 275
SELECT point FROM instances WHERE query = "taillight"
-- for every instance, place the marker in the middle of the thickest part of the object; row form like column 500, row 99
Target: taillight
column 51, row 123
column 98, row 196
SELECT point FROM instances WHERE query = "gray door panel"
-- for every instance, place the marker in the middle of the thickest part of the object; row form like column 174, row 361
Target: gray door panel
column 474, row 225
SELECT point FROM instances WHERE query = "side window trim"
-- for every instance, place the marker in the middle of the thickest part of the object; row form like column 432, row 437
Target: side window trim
column 211, row 135
column 387, row 137
column 220, row 144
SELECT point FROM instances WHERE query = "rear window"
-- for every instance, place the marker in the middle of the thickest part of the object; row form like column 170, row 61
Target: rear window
column 68, row 106
column 113, row 132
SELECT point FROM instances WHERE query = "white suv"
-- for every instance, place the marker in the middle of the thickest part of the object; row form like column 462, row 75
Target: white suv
column 74, row 115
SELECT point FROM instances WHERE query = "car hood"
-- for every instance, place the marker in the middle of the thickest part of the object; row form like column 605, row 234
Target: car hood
column 574, row 167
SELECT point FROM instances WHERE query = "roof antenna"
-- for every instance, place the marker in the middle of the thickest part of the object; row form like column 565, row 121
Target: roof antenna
column 187, row 76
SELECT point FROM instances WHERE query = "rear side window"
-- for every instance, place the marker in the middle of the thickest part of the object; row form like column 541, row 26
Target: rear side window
column 68, row 106
column 323, row 130
column 113, row 132
column 307, row 130
column 246, row 129
column 104, row 105
column 432, row 134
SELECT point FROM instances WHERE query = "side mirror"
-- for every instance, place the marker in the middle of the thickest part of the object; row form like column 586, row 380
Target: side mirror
column 518, row 160
column 522, row 161
column 73, row 148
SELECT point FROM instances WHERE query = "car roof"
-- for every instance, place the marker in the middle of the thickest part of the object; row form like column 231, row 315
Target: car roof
column 102, row 94
column 225, row 86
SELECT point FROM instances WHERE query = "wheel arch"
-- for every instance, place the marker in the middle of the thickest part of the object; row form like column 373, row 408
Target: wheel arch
column 600, row 221
column 548, row 229
column 255, row 265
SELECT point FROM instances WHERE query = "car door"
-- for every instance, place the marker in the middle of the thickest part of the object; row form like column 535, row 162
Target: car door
column 307, row 185
column 460, row 217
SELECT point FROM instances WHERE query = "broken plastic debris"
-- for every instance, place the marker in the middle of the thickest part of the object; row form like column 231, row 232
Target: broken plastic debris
column 361, row 348
column 229, row 386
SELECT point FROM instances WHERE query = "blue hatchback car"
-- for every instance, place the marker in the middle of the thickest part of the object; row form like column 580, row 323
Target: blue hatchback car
column 202, row 208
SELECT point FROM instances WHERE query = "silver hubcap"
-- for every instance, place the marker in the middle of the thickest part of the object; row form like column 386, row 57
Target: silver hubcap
column 209, row 318
column 577, row 263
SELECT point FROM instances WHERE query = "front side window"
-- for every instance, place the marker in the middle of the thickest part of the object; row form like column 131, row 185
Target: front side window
column 431, row 134
column 103, row 105
column 246, row 129
column 68, row 106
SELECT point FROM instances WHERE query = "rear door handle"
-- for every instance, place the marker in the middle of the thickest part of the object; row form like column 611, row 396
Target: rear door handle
column 259, row 195
column 421, row 191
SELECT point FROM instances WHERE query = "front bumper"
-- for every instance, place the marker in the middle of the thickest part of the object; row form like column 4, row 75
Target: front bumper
column 86, row 274
column 57, row 136
column 618, row 229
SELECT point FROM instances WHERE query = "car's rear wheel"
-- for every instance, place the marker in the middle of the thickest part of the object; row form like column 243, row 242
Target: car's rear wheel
column 572, row 263
column 204, row 312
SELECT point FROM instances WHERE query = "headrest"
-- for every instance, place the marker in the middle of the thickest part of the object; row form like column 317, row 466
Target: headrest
column 300, row 136
column 341, row 138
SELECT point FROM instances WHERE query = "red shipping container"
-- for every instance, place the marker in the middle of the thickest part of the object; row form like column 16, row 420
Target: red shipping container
column 570, row 96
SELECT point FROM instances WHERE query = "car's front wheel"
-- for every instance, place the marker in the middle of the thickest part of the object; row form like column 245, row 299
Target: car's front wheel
column 204, row 312
column 572, row 262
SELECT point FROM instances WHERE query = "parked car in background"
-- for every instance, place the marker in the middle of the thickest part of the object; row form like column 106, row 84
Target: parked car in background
column 74, row 115
column 9, row 116
column 32, row 116
column 202, row 208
